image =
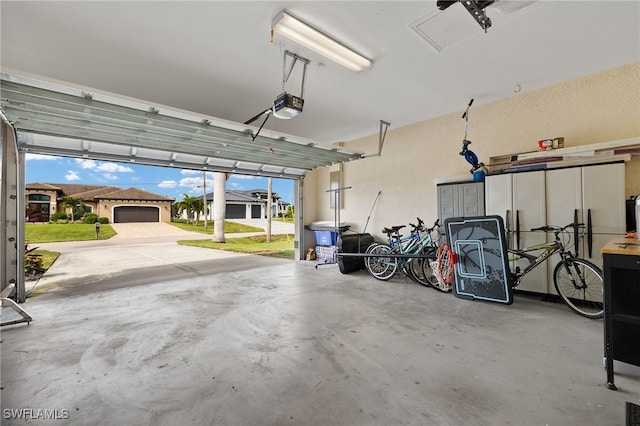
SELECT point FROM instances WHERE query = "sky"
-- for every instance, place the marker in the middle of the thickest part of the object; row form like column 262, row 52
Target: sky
column 159, row 180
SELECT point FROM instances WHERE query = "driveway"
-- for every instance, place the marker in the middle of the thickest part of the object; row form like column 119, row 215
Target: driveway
column 137, row 248
column 170, row 232
column 126, row 231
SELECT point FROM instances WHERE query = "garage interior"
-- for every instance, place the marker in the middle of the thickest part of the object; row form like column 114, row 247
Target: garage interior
column 255, row 341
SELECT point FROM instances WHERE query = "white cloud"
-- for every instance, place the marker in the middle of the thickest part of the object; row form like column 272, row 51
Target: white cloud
column 86, row 164
column 113, row 167
column 168, row 184
column 109, row 176
column 102, row 167
column 190, row 172
column 39, row 157
column 72, row 176
column 193, row 183
column 245, row 177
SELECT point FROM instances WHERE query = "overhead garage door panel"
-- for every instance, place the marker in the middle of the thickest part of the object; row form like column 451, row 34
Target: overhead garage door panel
column 235, row 211
column 256, row 211
column 55, row 119
column 127, row 214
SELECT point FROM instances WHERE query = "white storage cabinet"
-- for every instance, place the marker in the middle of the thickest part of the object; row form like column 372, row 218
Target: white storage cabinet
column 593, row 195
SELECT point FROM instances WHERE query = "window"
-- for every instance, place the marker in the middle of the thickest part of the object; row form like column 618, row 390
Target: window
column 39, row 197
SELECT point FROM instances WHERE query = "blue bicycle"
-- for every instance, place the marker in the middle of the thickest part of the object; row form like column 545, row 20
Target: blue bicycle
column 410, row 254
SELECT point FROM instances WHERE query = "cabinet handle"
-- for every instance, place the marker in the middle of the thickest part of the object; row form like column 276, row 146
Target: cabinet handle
column 589, row 233
column 508, row 226
column 518, row 229
column 575, row 231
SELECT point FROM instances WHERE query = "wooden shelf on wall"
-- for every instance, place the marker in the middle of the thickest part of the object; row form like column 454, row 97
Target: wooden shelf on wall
column 620, row 150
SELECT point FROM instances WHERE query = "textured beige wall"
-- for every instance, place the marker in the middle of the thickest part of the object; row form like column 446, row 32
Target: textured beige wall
column 596, row 108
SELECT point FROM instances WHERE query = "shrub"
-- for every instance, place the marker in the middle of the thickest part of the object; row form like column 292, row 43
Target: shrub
column 33, row 265
column 290, row 212
column 58, row 216
column 103, row 220
column 89, row 217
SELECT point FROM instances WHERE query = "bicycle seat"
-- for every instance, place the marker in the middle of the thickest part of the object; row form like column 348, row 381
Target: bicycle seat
column 393, row 229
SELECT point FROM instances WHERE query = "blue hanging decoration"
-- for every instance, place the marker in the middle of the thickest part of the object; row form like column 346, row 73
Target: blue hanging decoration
column 477, row 168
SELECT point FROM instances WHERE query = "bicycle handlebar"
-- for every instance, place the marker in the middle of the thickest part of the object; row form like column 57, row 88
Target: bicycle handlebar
column 418, row 227
column 435, row 225
column 415, row 228
column 558, row 228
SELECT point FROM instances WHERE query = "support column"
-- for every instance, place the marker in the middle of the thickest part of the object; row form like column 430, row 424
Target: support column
column 298, row 243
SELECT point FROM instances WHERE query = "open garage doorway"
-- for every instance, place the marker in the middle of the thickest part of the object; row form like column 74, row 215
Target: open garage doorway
column 79, row 124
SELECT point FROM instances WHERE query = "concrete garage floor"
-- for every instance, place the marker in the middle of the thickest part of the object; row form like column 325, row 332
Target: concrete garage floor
column 249, row 340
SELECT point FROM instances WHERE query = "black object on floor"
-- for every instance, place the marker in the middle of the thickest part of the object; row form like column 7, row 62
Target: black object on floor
column 352, row 243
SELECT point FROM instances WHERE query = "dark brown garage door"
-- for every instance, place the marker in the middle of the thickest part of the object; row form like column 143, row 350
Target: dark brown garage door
column 235, row 211
column 126, row 214
column 256, row 211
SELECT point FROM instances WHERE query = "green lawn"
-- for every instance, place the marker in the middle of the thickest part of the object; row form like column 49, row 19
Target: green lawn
column 57, row 232
column 39, row 259
column 280, row 245
column 45, row 258
column 48, row 257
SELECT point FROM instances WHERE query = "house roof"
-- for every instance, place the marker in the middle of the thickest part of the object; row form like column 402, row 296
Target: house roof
column 42, row 186
column 97, row 192
column 133, row 194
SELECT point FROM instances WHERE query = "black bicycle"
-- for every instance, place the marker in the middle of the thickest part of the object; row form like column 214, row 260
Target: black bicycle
column 579, row 283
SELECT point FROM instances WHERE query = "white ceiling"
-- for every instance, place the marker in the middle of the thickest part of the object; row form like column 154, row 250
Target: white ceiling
column 216, row 58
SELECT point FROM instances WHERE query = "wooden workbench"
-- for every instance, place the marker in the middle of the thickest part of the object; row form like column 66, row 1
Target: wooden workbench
column 624, row 246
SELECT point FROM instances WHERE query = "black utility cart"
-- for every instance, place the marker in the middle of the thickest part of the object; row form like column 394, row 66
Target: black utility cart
column 621, row 259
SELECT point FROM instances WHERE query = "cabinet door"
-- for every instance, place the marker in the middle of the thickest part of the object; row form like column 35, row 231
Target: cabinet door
column 498, row 197
column 498, row 200
column 471, row 199
column 529, row 211
column 564, row 196
column 447, row 202
column 603, row 196
column 536, row 280
column 564, row 205
column 529, row 202
column 603, row 209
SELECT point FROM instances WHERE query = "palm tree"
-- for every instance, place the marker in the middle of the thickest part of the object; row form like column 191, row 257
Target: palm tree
column 219, row 206
column 188, row 205
column 71, row 205
column 198, row 207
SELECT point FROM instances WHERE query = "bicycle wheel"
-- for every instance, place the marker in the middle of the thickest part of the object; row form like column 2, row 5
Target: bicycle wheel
column 414, row 271
column 382, row 268
column 580, row 285
column 425, row 275
column 421, row 271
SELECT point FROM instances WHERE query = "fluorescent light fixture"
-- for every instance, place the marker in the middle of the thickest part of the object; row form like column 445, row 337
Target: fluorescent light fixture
column 301, row 32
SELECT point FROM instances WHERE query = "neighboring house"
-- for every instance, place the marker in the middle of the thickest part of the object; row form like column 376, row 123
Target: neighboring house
column 250, row 204
column 116, row 204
